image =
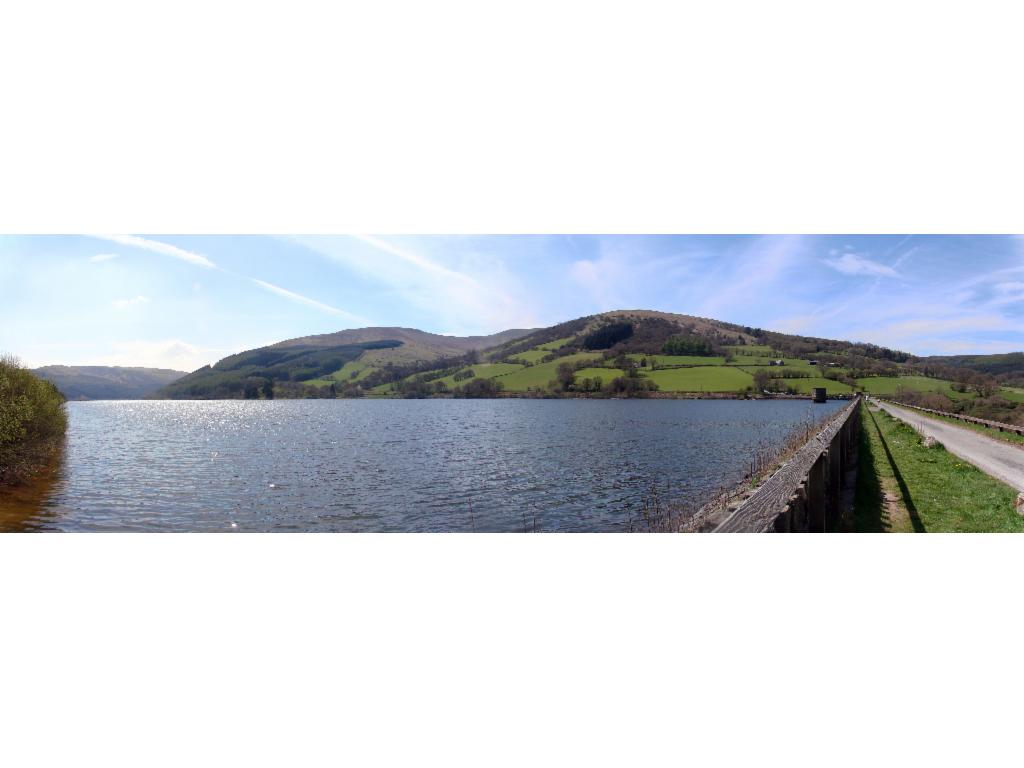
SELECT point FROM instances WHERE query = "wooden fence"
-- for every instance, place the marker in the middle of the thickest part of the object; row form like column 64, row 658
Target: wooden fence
column 805, row 494
column 959, row 417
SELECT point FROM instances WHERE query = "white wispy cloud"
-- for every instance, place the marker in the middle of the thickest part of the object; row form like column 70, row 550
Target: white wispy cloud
column 974, row 347
column 174, row 354
column 200, row 260
column 622, row 273
column 601, row 279
column 1010, row 292
column 992, row 276
column 909, row 329
column 298, row 297
column 470, row 303
column 480, row 295
column 100, row 257
column 855, row 264
column 1013, row 286
column 414, row 258
column 158, row 247
column 753, row 275
column 124, row 303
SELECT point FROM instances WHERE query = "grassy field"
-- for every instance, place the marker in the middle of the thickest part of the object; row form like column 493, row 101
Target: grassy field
column 806, row 385
column 532, row 355
column 681, row 359
column 538, row 376
column 483, row 371
column 1012, row 394
column 887, row 385
column 903, row 486
column 605, row 374
column 710, row 379
column 551, row 346
column 751, row 349
column 345, row 374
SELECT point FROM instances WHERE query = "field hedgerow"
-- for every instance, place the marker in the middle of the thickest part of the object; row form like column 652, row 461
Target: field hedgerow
column 33, row 420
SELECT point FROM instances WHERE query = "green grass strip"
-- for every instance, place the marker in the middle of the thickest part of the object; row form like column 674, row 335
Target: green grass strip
column 941, row 493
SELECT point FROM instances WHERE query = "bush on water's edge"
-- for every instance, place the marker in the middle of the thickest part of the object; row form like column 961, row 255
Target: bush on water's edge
column 33, row 421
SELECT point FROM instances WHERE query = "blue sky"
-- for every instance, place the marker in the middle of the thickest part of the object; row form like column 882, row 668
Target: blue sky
column 182, row 301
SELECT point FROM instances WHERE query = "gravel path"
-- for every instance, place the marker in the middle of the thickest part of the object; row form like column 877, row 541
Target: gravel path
column 1002, row 461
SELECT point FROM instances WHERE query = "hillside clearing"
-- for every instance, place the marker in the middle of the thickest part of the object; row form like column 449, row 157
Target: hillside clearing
column 605, row 374
column 551, row 346
column 680, row 360
column 531, row 355
column 538, row 376
column 709, row 379
column 481, row 371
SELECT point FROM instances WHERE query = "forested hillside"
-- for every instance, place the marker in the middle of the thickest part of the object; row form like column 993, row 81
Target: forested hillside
column 329, row 365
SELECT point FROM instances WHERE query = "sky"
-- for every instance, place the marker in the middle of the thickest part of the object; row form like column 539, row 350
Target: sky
column 176, row 301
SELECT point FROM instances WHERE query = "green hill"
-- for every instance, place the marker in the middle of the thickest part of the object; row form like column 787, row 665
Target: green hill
column 348, row 362
column 92, row 382
column 621, row 353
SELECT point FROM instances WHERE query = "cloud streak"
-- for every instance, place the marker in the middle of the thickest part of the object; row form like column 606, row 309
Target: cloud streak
column 754, row 275
column 299, row 298
column 125, row 303
column 416, row 259
column 854, row 264
column 155, row 246
column 199, row 260
column 480, row 296
column 101, row 257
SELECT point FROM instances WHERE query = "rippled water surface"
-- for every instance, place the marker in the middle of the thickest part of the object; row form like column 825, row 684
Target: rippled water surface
column 390, row 465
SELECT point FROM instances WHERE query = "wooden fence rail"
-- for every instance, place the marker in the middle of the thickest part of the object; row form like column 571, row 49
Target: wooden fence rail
column 959, row 417
column 805, row 493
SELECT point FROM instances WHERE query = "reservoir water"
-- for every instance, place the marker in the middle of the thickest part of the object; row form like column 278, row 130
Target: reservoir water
column 391, row 465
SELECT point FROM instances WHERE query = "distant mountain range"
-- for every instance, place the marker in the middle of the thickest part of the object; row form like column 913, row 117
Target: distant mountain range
column 93, row 382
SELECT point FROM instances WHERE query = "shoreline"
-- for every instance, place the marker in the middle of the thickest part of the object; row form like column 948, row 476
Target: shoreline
column 598, row 396
column 35, row 460
column 501, row 396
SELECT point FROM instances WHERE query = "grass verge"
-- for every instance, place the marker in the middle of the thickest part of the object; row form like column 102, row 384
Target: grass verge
column 904, row 486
